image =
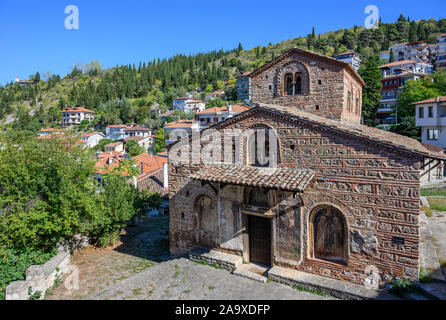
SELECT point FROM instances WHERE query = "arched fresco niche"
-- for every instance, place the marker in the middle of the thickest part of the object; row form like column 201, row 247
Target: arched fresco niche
column 207, row 221
column 329, row 230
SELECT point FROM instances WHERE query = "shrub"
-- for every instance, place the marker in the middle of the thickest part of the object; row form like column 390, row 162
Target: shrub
column 14, row 263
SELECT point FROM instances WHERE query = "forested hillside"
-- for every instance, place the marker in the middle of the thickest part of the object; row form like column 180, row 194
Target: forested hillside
column 134, row 93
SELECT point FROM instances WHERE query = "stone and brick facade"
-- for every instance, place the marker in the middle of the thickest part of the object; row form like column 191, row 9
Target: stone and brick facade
column 356, row 213
column 322, row 85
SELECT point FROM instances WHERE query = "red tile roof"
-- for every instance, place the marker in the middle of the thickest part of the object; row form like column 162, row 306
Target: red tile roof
column 238, row 108
column 117, row 126
column 354, row 129
column 397, row 63
column 431, row 100
column 108, row 159
column 149, row 163
column 77, row 109
column 114, row 144
column 290, row 179
column 91, row 134
column 244, row 74
column 180, row 124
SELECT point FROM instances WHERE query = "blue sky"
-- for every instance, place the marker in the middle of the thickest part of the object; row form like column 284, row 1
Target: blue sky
column 33, row 35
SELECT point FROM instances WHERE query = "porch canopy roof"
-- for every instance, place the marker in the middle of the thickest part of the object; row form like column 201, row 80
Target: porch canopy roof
column 286, row 179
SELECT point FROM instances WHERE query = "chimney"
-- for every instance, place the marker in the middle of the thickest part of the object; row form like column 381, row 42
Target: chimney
column 165, row 177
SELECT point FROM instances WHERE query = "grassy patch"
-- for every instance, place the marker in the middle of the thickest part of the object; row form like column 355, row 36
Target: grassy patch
column 433, row 192
column 424, row 276
column 187, row 291
column 427, row 211
column 211, row 287
column 313, row 291
column 402, row 286
column 136, row 292
column 438, row 204
column 177, row 271
column 213, row 265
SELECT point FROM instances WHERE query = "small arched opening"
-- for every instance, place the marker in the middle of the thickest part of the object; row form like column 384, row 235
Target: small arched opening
column 207, row 221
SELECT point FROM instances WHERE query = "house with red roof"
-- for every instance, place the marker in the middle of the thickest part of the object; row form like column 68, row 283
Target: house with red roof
column 213, row 115
column 92, row 139
column 75, row 116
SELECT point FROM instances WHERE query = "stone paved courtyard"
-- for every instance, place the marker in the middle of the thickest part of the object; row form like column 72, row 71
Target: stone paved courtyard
column 139, row 267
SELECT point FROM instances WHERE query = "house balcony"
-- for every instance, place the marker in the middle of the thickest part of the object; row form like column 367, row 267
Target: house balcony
column 385, row 110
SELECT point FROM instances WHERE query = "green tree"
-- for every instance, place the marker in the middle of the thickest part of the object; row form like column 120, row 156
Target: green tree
column 217, row 102
column 413, row 91
column 371, row 74
column 133, row 148
column 159, row 140
column 391, row 56
column 47, row 194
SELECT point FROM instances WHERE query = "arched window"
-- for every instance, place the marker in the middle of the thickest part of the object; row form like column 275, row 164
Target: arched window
column 349, row 101
column 329, row 231
column 262, row 148
column 207, row 221
column 288, row 84
column 298, row 84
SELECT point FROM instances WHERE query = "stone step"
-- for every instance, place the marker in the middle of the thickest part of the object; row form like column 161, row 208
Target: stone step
column 225, row 260
column 253, row 272
column 416, row 296
column 434, row 290
column 336, row 288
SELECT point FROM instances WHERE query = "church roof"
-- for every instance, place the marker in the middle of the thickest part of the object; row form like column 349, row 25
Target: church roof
column 288, row 179
column 356, row 129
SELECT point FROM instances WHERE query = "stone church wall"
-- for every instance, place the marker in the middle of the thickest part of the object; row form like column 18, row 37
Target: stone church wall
column 375, row 187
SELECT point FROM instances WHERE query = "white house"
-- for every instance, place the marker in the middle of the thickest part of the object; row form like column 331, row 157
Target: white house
column 146, row 142
column 48, row 131
column 114, row 147
column 92, row 139
column 75, row 115
column 431, row 117
column 174, row 131
column 180, row 103
column 187, row 105
column 215, row 94
column 352, row 58
column 136, row 131
column 115, row 131
column 213, row 115
column 194, row 106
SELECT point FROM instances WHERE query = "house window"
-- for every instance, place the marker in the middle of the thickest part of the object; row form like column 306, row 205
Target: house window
column 431, row 112
column 421, row 113
column 432, row 134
